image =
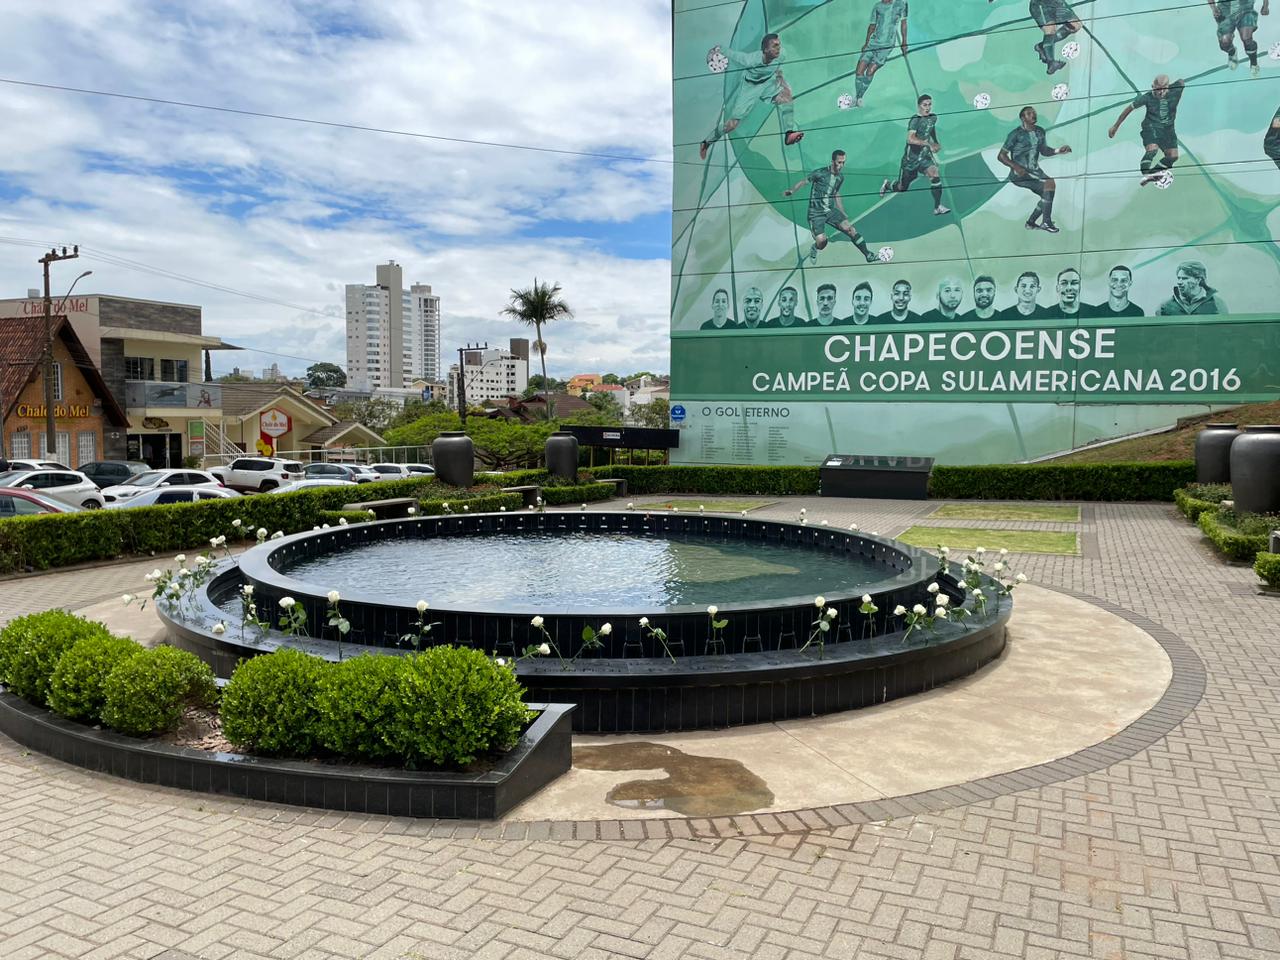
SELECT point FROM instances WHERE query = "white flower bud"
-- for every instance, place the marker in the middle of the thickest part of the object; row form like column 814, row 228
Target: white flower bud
column 942, row 600
column 219, row 628
column 500, row 662
column 853, row 527
column 1004, row 552
column 919, row 609
column 944, row 550
column 866, row 598
column 933, row 588
column 247, row 589
column 237, row 523
column 644, row 621
column 536, row 622
column 342, row 521
column 421, row 607
column 544, row 649
column 980, row 551
column 278, row 535
column 940, row 612
column 606, row 629
column 832, row 613
column 713, row 610
column 998, row 566
column 287, row 602
column 1021, row 578
column 630, row 505
column 181, row 558
column 819, row 602
column 412, row 511
column 333, row 596
column 262, row 533
column 127, row 598
column 899, row 610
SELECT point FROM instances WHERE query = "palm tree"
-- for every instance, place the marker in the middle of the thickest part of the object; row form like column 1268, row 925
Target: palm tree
column 535, row 307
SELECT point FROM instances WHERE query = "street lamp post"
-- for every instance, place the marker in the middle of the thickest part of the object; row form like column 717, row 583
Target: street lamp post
column 53, row 256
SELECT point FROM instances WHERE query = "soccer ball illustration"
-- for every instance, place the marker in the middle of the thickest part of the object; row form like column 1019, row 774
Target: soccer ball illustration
column 885, row 254
column 845, row 101
column 982, row 101
column 1165, row 180
column 1275, row 50
column 1070, row 50
column 1060, row 91
column 717, row 62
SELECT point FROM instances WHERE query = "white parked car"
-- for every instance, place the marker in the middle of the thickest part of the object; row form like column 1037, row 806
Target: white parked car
column 37, row 465
column 153, row 479
column 420, row 468
column 65, row 486
column 258, row 474
column 390, row 471
column 311, row 483
column 161, row 496
column 362, row 474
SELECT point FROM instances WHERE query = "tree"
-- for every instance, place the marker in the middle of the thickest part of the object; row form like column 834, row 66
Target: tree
column 611, row 378
column 423, row 430
column 326, row 375
column 376, row 413
column 538, row 384
column 604, row 401
column 507, row 445
column 233, row 378
column 536, row 307
column 656, row 413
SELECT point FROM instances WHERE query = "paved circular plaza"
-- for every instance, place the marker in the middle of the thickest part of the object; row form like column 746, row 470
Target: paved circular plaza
column 1106, row 789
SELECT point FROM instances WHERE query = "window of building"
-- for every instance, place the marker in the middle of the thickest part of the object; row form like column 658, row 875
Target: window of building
column 139, row 368
column 86, row 447
column 57, row 382
column 20, row 446
column 62, row 439
column 173, row 371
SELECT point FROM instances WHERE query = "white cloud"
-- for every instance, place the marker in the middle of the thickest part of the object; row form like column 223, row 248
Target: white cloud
column 267, row 205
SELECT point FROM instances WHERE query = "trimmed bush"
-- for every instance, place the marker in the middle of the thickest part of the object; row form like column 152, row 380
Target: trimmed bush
column 146, row 693
column 582, row 493
column 1195, row 498
column 269, row 705
column 357, row 702
column 456, row 704
column 1223, row 530
column 76, row 689
column 32, row 646
column 1066, row 481
column 1267, row 567
column 759, row 481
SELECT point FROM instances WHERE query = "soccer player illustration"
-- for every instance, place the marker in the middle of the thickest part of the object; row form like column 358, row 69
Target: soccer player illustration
column 1021, row 153
column 761, row 81
column 1161, row 103
column 862, row 296
column 1058, row 21
column 788, row 300
column 1026, row 289
column 720, row 319
column 826, row 207
column 1068, row 305
column 984, row 299
column 887, row 29
column 899, row 302
column 918, row 157
column 752, row 308
column 950, row 293
column 1238, row 16
column 1271, row 142
column 1192, row 293
column 826, row 305
column 1117, row 304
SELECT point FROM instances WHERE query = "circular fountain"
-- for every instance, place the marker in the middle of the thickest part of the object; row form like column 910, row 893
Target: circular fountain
column 487, row 576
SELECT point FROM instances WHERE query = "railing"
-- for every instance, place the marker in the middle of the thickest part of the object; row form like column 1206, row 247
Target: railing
column 218, row 454
column 145, row 394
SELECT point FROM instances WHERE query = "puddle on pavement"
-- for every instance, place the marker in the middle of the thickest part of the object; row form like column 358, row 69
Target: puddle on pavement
column 695, row 786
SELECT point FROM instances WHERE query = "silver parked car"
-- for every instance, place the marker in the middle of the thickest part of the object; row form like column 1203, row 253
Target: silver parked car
column 152, row 479
column 390, row 471
column 161, row 496
column 311, row 483
column 65, row 486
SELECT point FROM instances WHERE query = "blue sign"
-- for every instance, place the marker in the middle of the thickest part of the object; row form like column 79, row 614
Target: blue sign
column 677, row 413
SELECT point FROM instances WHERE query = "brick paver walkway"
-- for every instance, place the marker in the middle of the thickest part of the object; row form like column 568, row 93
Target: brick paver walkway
column 1171, row 852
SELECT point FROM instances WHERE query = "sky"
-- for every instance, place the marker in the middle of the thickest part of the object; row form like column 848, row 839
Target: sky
column 290, row 212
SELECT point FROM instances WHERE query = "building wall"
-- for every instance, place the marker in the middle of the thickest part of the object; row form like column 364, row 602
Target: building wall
column 144, row 315
column 78, row 412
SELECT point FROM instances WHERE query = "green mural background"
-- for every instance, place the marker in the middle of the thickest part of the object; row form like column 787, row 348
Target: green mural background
column 758, row 390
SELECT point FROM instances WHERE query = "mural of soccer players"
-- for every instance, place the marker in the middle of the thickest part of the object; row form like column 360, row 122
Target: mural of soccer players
column 984, row 299
column 1192, row 293
column 1021, row 153
column 1271, row 142
column 1117, row 304
column 752, row 308
column 761, row 81
column 1238, row 16
column 918, row 157
column 1068, row 305
column 788, row 300
column 1161, row 104
column 886, row 15
column 1026, row 289
column 950, row 294
column 1058, row 21
column 899, row 302
column 827, row 209
column 826, row 305
column 862, row 296
column 720, row 319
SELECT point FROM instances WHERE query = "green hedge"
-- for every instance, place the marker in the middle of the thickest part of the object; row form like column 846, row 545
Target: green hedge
column 1065, row 481
column 757, row 481
column 1267, row 567
column 583, row 493
column 145, row 694
column 1190, row 506
column 31, row 648
column 1218, row 527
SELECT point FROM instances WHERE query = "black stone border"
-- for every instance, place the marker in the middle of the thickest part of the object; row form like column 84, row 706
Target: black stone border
column 544, row 752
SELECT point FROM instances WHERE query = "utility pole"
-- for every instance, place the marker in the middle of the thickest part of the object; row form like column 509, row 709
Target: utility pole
column 462, row 387
column 51, row 438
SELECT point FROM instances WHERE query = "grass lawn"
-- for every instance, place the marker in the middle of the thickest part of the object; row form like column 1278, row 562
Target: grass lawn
column 1007, row 511
column 1016, row 541
column 1176, row 444
column 712, row 506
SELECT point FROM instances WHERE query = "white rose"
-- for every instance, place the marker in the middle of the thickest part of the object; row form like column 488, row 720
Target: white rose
column 583, row 507
column 203, row 561
column 219, row 628
column 940, row 612
column 317, row 527
column 324, row 526
column 819, row 602
column 942, row 600
column 412, row 511
column 606, row 629
column 421, row 607
column 977, row 594
column 1004, row 552
column 536, row 622
column 500, row 662
column 127, row 598
column 465, row 508
column 826, row 523
column 236, row 523
column 181, row 558
column 803, row 511
column 944, row 550
column 866, row 598
column 287, row 602
column 933, row 588
column 262, row 533
column 630, row 505
column 342, row 521
column 980, row 551
column 644, row 621
column 1021, row 578
column 832, row 612
column 247, row 589
column 899, row 610
column 919, row 610
column 278, row 535
column 675, row 509
column 184, row 572
column 713, row 610
column 156, row 574
column 701, row 508
column 333, row 596
column 998, row 566
column 544, row 649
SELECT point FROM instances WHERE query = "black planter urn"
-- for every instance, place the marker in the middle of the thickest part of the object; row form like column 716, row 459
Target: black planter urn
column 454, row 457
column 562, row 455
column 1213, row 452
column 1255, row 469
